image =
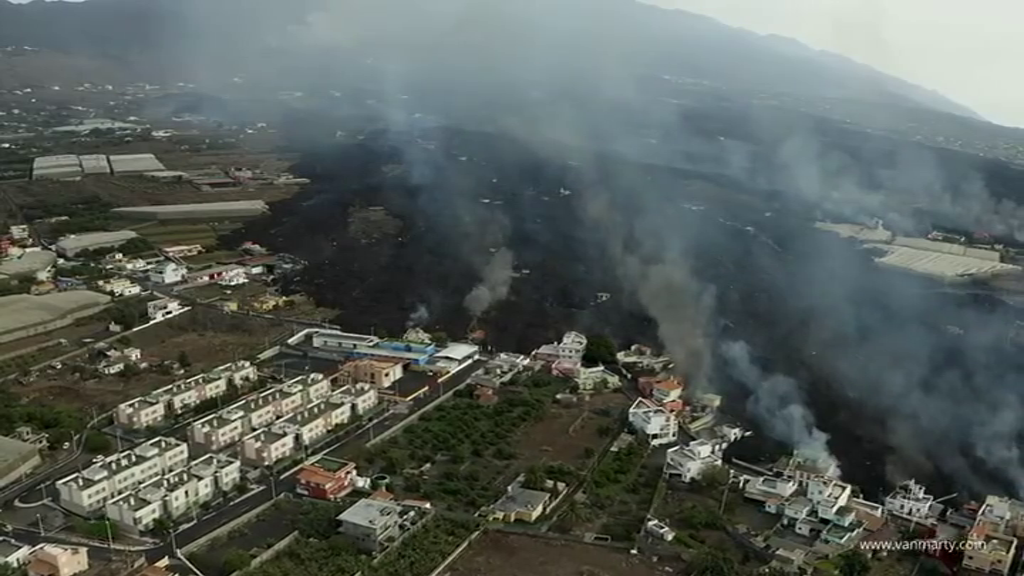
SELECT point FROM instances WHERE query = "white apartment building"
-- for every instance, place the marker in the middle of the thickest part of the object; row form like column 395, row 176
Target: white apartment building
column 909, row 499
column 219, row 430
column 88, row 492
column 266, row 447
column 119, row 287
column 571, row 348
column 168, row 273
column 183, row 395
column 163, row 308
column 589, row 379
column 363, row 397
column 655, row 423
column 688, row 463
column 176, row 494
column 830, row 498
column 313, row 423
column 141, row 413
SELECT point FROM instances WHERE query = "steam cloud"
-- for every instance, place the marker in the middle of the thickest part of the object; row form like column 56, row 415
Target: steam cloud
column 777, row 403
column 418, row 317
column 496, row 283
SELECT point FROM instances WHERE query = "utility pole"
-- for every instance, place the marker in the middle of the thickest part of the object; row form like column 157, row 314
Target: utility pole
column 39, row 517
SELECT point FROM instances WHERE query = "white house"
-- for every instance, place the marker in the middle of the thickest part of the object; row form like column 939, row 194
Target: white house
column 163, row 308
column 909, row 499
column 688, row 463
column 655, row 423
column 571, row 348
column 111, row 367
column 168, row 273
column 589, row 379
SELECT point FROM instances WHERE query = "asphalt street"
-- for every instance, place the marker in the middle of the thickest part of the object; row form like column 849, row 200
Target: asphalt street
column 273, row 487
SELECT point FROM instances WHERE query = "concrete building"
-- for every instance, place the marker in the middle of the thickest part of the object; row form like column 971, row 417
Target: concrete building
column 14, row 553
column 371, row 525
column 326, row 479
column 656, row 424
column 219, row 430
column 910, row 500
column 265, row 448
column 17, row 458
column 58, row 560
column 23, row 315
column 72, row 245
column 380, row 373
column 88, row 492
column 597, row 378
column 168, row 273
column 688, row 463
column 164, row 308
column 663, row 390
column 992, row 541
column 176, row 494
column 231, row 274
column 519, row 504
column 571, row 347
column 177, row 398
column 348, row 345
column 182, row 251
column 314, row 422
column 363, row 397
column 119, row 287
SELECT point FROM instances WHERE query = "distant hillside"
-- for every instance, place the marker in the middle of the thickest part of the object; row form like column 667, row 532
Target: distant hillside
column 582, row 40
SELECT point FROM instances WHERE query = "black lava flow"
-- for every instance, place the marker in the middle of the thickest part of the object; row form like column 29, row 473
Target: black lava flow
column 471, row 192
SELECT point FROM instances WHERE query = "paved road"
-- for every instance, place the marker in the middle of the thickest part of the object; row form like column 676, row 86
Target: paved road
column 273, row 487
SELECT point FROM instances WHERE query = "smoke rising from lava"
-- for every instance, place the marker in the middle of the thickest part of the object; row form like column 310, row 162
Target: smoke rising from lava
column 495, row 285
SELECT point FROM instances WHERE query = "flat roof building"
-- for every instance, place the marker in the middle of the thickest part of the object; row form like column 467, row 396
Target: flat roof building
column 135, row 164
column 237, row 209
column 72, row 245
column 370, row 524
column 17, row 458
column 23, row 315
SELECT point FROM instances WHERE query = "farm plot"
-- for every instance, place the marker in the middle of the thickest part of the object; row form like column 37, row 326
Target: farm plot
column 502, row 554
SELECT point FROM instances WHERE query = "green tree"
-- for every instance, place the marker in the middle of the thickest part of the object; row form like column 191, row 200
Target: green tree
column 600, row 350
column 440, row 338
column 235, row 560
column 713, row 478
column 184, row 360
column 97, row 442
column 852, row 563
column 12, row 570
column 162, row 526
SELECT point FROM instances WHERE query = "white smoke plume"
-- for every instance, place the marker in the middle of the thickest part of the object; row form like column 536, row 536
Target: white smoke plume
column 495, row 285
column 418, row 317
column 778, row 404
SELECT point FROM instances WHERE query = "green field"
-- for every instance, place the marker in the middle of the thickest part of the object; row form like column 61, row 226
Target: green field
column 204, row 234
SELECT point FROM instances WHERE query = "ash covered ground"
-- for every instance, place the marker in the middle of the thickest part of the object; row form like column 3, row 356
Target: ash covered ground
column 892, row 374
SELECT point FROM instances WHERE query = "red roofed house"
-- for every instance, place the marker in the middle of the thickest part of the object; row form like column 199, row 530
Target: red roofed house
column 326, row 479
column 666, row 391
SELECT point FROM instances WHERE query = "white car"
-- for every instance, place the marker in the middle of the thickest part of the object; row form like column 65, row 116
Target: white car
column 97, row 460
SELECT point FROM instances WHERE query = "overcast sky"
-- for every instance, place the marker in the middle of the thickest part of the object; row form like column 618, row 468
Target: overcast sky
column 970, row 50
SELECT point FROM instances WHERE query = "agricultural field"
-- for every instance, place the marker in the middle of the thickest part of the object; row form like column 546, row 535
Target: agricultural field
column 206, row 338
column 235, row 550
column 504, row 554
column 616, row 497
column 463, row 454
column 177, row 234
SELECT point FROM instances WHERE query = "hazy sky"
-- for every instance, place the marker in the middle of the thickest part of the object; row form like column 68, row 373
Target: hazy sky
column 970, row 50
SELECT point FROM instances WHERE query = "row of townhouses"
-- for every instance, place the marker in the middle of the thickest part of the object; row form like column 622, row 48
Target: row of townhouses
column 278, row 422
column 88, row 491
column 159, row 406
column 154, row 480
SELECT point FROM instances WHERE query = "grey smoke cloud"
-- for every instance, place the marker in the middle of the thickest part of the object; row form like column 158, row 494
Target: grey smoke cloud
column 877, row 340
column 495, row 285
column 777, row 402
